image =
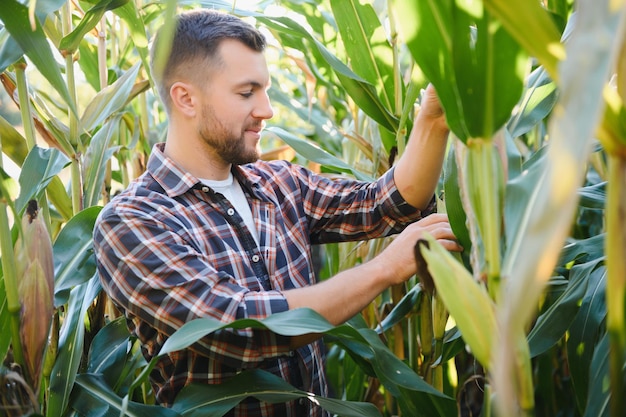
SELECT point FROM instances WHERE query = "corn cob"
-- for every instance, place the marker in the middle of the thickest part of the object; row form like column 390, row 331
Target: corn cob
column 35, row 272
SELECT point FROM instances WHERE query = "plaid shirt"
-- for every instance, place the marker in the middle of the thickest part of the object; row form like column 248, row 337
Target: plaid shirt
column 170, row 250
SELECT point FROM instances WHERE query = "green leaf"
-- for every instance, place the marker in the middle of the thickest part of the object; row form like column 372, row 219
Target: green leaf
column 89, row 21
column 521, row 192
column 406, row 305
column 536, row 104
column 98, row 154
column 584, row 333
column 313, row 152
column 364, row 345
column 88, row 63
column 552, row 325
column 547, row 217
column 363, row 93
column 475, row 65
column 289, row 323
column 367, row 46
column 593, row 196
column 10, row 51
column 108, row 351
column 8, row 187
column 13, row 143
column 543, row 42
column 599, row 397
column 5, row 321
column 583, row 250
column 426, row 30
column 137, row 29
column 366, row 97
column 418, row 398
column 94, row 397
column 14, row 15
column 74, row 262
column 109, row 100
column 466, row 300
column 71, row 341
column 39, row 168
column 215, row 400
column 59, row 198
column 489, row 69
column 453, row 203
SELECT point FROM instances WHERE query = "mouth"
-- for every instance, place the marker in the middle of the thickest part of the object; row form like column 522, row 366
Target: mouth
column 255, row 130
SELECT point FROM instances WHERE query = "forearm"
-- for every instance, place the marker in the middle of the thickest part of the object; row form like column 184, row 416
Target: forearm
column 342, row 296
column 419, row 167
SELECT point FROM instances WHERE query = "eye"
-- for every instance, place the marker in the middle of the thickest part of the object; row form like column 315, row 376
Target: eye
column 246, row 95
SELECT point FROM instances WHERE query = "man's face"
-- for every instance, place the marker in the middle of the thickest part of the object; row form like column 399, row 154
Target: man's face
column 235, row 104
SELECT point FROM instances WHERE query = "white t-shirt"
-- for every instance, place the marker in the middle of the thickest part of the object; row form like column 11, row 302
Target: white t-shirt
column 231, row 189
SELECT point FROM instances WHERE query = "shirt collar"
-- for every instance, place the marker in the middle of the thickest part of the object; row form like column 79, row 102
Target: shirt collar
column 176, row 181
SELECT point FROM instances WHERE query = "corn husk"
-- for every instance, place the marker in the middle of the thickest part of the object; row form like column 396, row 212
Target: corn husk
column 35, row 272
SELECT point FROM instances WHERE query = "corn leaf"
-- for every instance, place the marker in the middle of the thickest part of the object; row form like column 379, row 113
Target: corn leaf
column 203, row 400
column 39, row 168
column 584, row 333
column 137, row 30
column 98, row 154
column 542, row 42
column 109, row 350
column 13, row 143
column 407, row 304
column 553, row 198
column 453, row 203
column 367, row 46
column 475, row 65
column 59, row 197
column 14, row 15
column 71, row 341
column 5, row 321
column 552, row 325
column 109, row 100
column 536, row 104
column 74, row 263
column 599, row 396
column 361, row 91
column 89, row 21
column 363, row 343
column 466, row 300
column 313, row 152
column 94, row 397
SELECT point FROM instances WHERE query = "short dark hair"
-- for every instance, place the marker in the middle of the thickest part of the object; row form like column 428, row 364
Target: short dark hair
column 197, row 36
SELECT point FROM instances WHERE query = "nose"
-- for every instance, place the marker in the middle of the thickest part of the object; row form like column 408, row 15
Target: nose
column 263, row 109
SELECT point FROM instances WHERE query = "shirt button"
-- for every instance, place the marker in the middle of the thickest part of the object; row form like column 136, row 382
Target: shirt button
column 230, row 211
column 205, row 189
column 255, row 258
column 301, row 401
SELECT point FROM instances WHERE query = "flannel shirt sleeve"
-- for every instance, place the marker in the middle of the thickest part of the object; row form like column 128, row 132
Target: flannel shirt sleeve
column 348, row 210
column 162, row 282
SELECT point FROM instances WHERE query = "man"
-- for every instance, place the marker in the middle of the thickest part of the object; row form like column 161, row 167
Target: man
column 210, row 231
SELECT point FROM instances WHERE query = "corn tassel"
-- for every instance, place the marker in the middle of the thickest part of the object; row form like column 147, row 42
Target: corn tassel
column 35, row 272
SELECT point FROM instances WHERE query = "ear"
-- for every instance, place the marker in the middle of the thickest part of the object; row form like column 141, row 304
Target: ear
column 184, row 98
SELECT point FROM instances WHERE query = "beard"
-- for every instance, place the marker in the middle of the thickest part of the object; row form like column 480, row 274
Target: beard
column 225, row 143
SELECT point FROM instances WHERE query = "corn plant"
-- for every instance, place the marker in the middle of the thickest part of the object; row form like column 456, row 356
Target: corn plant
column 533, row 198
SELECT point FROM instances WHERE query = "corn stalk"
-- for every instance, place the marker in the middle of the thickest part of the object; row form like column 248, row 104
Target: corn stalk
column 612, row 134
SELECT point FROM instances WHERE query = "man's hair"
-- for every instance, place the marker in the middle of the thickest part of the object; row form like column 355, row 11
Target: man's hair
column 197, row 36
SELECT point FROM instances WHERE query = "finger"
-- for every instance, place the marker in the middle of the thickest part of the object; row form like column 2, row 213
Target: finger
column 433, row 218
column 451, row 245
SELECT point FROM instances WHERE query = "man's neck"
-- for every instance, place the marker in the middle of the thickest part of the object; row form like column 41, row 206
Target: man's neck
column 197, row 161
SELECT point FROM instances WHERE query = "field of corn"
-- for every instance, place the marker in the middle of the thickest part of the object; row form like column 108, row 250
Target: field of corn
column 530, row 320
